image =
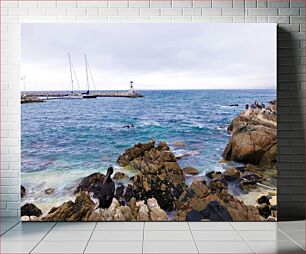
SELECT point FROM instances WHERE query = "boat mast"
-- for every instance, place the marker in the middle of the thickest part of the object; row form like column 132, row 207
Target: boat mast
column 71, row 76
column 87, row 74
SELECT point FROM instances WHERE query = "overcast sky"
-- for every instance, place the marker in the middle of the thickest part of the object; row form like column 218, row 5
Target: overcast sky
column 154, row 56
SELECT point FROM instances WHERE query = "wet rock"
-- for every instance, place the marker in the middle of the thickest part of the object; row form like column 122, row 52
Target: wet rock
column 231, row 174
column 120, row 176
column 190, row 170
column 71, row 211
column 212, row 212
column 119, row 194
column 264, row 200
column 264, row 210
column 22, row 191
column 253, row 138
column 213, row 174
column 30, row 209
column 155, row 212
column 198, row 195
column 49, row 191
column 90, row 183
column 159, row 175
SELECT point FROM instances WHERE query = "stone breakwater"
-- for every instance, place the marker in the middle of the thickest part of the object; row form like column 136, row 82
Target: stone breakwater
column 158, row 188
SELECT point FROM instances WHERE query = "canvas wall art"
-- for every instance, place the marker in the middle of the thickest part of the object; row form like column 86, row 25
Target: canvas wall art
column 148, row 122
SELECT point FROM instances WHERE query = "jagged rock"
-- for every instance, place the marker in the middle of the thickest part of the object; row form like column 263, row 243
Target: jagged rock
column 118, row 216
column 49, row 191
column 90, row 183
column 34, row 218
column 231, row 174
column 134, row 152
column 120, row 176
column 190, row 170
column 127, row 212
column 253, row 138
column 22, row 191
column 213, row 212
column 143, row 211
column 213, row 174
column 71, row 211
column 156, row 213
column 119, row 193
column 159, row 175
column 30, row 209
column 197, row 196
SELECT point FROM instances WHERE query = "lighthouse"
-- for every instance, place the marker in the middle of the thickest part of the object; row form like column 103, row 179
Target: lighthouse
column 132, row 91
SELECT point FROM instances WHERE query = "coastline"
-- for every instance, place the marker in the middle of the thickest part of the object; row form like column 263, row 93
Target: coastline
column 139, row 181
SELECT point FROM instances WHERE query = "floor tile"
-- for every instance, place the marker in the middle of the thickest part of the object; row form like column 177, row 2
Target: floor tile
column 221, row 226
column 9, row 220
column 216, row 236
column 273, row 235
column 223, row 247
column 166, row 226
column 169, row 247
column 167, row 236
column 296, row 235
column 69, row 236
column 253, row 226
column 108, row 236
column 111, row 247
column 71, row 226
column 291, row 225
column 23, row 236
column 60, row 247
column 33, row 226
column 119, row 226
column 17, row 247
column 276, row 247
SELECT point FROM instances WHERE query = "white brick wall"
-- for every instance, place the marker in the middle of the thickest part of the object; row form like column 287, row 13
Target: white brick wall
column 288, row 13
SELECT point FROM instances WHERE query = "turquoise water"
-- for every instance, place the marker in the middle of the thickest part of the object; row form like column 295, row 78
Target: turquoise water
column 63, row 140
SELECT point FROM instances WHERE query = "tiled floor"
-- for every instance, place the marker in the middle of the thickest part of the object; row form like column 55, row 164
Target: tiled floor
column 152, row 237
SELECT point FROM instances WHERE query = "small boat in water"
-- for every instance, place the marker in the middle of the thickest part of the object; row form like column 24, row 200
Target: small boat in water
column 78, row 95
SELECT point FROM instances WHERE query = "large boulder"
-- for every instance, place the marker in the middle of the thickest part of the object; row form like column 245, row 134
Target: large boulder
column 30, row 209
column 90, row 183
column 190, row 170
column 159, row 175
column 71, row 211
column 198, row 195
column 253, row 138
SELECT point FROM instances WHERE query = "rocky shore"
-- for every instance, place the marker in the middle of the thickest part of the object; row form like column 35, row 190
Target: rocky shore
column 157, row 191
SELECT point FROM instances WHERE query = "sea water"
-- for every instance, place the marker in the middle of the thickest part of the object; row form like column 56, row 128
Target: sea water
column 65, row 140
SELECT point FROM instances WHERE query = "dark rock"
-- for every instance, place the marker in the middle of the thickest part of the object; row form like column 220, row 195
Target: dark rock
column 49, row 191
column 90, row 183
column 212, row 212
column 30, row 209
column 213, row 174
column 134, row 152
column 264, row 200
column 190, row 170
column 22, row 191
column 264, row 210
column 120, row 176
column 197, row 196
column 119, row 194
column 159, row 177
column 231, row 174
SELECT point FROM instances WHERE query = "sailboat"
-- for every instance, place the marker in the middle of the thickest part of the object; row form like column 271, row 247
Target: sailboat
column 87, row 95
column 72, row 95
